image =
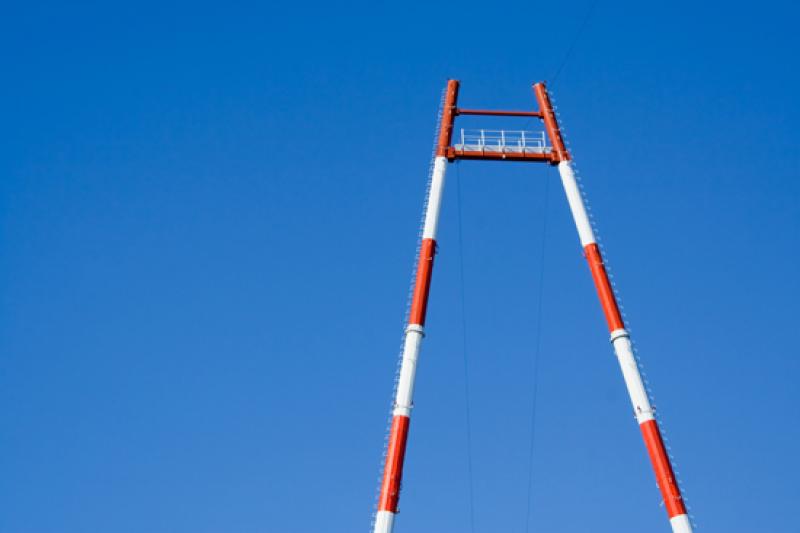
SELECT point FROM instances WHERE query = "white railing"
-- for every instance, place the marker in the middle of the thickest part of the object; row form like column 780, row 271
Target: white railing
column 503, row 141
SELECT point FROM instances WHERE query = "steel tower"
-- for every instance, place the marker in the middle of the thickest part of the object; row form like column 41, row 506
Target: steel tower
column 502, row 145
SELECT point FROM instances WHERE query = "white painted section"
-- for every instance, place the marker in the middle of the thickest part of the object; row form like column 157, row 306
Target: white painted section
column 435, row 198
column 680, row 524
column 576, row 203
column 408, row 370
column 633, row 379
column 384, row 521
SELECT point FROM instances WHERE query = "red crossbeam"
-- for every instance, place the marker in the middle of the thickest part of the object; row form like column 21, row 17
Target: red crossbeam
column 494, row 113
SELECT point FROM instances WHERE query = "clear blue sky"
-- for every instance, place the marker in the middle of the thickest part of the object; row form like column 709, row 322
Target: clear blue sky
column 208, row 217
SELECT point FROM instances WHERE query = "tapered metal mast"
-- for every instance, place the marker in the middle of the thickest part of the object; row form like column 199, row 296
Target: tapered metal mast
column 501, row 145
column 398, row 436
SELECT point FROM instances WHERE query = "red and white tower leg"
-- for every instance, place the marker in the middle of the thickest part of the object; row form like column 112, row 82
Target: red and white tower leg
column 398, row 436
column 620, row 338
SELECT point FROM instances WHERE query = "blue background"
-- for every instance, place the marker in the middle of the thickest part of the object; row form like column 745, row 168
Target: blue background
column 208, row 217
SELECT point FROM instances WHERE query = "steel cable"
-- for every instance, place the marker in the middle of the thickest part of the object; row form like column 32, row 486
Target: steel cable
column 464, row 351
column 536, row 353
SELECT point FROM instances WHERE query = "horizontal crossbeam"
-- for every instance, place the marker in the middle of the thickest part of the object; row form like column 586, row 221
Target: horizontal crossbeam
column 497, row 113
column 454, row 154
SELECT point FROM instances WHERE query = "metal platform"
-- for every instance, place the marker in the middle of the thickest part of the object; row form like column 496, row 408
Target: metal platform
column 503, row 141
column 517, row 145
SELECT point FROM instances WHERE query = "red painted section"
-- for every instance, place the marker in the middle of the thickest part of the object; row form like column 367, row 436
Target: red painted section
column 603, row 286
column 498, row 113
column 550, row 123
column 665, row 477
column 453, row 154
column 422, row 286
column 393, row 471
column 448, row 117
